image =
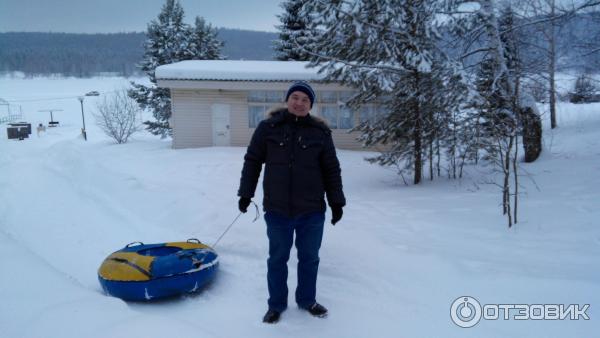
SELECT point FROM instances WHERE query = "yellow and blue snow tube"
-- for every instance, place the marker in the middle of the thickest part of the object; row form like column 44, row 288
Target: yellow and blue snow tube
column 141, row 272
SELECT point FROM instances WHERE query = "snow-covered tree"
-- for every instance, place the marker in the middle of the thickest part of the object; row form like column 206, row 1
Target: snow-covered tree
column 511, row 40
column 461, row 127
column 166, row 38
column 529, row 120
column 292, row 31
column 498, row 73
column 169, row 40
column 497, row 107
column 203, row 43
column 387, row 51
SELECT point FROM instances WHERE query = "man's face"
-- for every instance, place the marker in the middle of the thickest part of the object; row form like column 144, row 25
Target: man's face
column 298, row 103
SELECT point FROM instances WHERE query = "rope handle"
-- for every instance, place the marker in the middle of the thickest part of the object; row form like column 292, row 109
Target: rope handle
column 195, row 240
column 230, row 225
column 257, row 216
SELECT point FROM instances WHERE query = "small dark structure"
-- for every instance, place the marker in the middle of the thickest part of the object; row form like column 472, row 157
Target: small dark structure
column 585, row 91
column 20, row 130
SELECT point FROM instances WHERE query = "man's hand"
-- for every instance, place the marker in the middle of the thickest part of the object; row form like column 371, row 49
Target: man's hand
column 243, row 204
column 336, row 214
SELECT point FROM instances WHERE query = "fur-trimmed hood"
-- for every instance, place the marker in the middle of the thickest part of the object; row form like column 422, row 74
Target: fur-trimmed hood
column 277, row 115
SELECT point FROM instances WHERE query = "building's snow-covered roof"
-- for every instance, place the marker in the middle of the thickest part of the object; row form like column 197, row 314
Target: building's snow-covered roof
column 234, row 70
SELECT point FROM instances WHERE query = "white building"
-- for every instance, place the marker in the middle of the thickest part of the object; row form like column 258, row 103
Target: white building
column 220, row 102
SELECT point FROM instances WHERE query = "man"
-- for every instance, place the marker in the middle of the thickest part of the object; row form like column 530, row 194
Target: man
column 301, row 166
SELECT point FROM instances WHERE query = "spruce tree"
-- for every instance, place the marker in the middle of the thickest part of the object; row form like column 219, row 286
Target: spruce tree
column 169, row 39
column 204, row 44
column 292, row 31
column 511, row 40
column 495, row 106
column 387, row 50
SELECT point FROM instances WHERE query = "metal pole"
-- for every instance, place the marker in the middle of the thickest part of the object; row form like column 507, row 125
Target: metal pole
column 83, row 119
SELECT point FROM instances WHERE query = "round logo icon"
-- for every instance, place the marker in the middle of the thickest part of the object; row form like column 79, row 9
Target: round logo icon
column 465, row 311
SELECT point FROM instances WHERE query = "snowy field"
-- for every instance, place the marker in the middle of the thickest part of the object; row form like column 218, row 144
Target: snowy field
column 392, row 268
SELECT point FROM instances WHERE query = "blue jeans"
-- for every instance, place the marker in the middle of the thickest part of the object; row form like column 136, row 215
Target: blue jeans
column 309, row 233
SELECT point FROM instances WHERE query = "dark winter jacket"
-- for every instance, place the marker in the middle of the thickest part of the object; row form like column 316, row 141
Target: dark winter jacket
column 300, row 165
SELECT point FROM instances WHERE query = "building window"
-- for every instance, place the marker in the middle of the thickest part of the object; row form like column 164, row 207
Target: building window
column 328, row 97
column 330, row 106
column 275, row 96
column 257, row 96
column 334, row 111
column 346, row 118
column 345, row 96
column 368, row 113
column 270, row 96
column 255, row 115
column 329, row 113
column 371, row 113
column 259, row 102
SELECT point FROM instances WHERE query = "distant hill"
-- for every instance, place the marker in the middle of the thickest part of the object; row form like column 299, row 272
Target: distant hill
column 247, row 45
column 85, row 55
column 79, row 55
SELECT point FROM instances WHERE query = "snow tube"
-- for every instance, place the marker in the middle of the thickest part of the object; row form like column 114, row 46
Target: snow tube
column 141, row 272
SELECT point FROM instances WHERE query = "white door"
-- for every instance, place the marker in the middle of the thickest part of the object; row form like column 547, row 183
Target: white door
column 220, row 124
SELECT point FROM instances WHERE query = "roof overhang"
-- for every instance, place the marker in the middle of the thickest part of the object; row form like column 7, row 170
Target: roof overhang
column 238, row 70
column 241, row 85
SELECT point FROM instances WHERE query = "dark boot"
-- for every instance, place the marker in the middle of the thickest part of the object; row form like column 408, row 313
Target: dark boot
column 271, row 317
column 317, row 310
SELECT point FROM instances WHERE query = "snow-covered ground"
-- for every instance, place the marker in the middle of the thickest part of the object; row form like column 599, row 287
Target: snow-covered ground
column 400, row 256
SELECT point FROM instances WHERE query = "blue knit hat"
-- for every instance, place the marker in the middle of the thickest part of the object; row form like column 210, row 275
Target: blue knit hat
column 301, row 86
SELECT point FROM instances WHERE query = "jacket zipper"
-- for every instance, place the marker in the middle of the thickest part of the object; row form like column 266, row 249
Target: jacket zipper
column 291, row 170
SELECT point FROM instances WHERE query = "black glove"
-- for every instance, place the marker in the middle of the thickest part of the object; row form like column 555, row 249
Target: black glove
column 336, row 214
column 243, row 204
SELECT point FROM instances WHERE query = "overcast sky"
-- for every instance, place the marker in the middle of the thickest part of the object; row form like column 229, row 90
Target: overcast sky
column 110, row 16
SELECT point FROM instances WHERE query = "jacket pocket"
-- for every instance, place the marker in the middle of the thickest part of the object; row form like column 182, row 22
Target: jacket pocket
column 309, row 153
column 276, row 150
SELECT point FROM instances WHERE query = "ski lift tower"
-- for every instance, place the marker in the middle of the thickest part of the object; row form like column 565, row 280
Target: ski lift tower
column 52, row 122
